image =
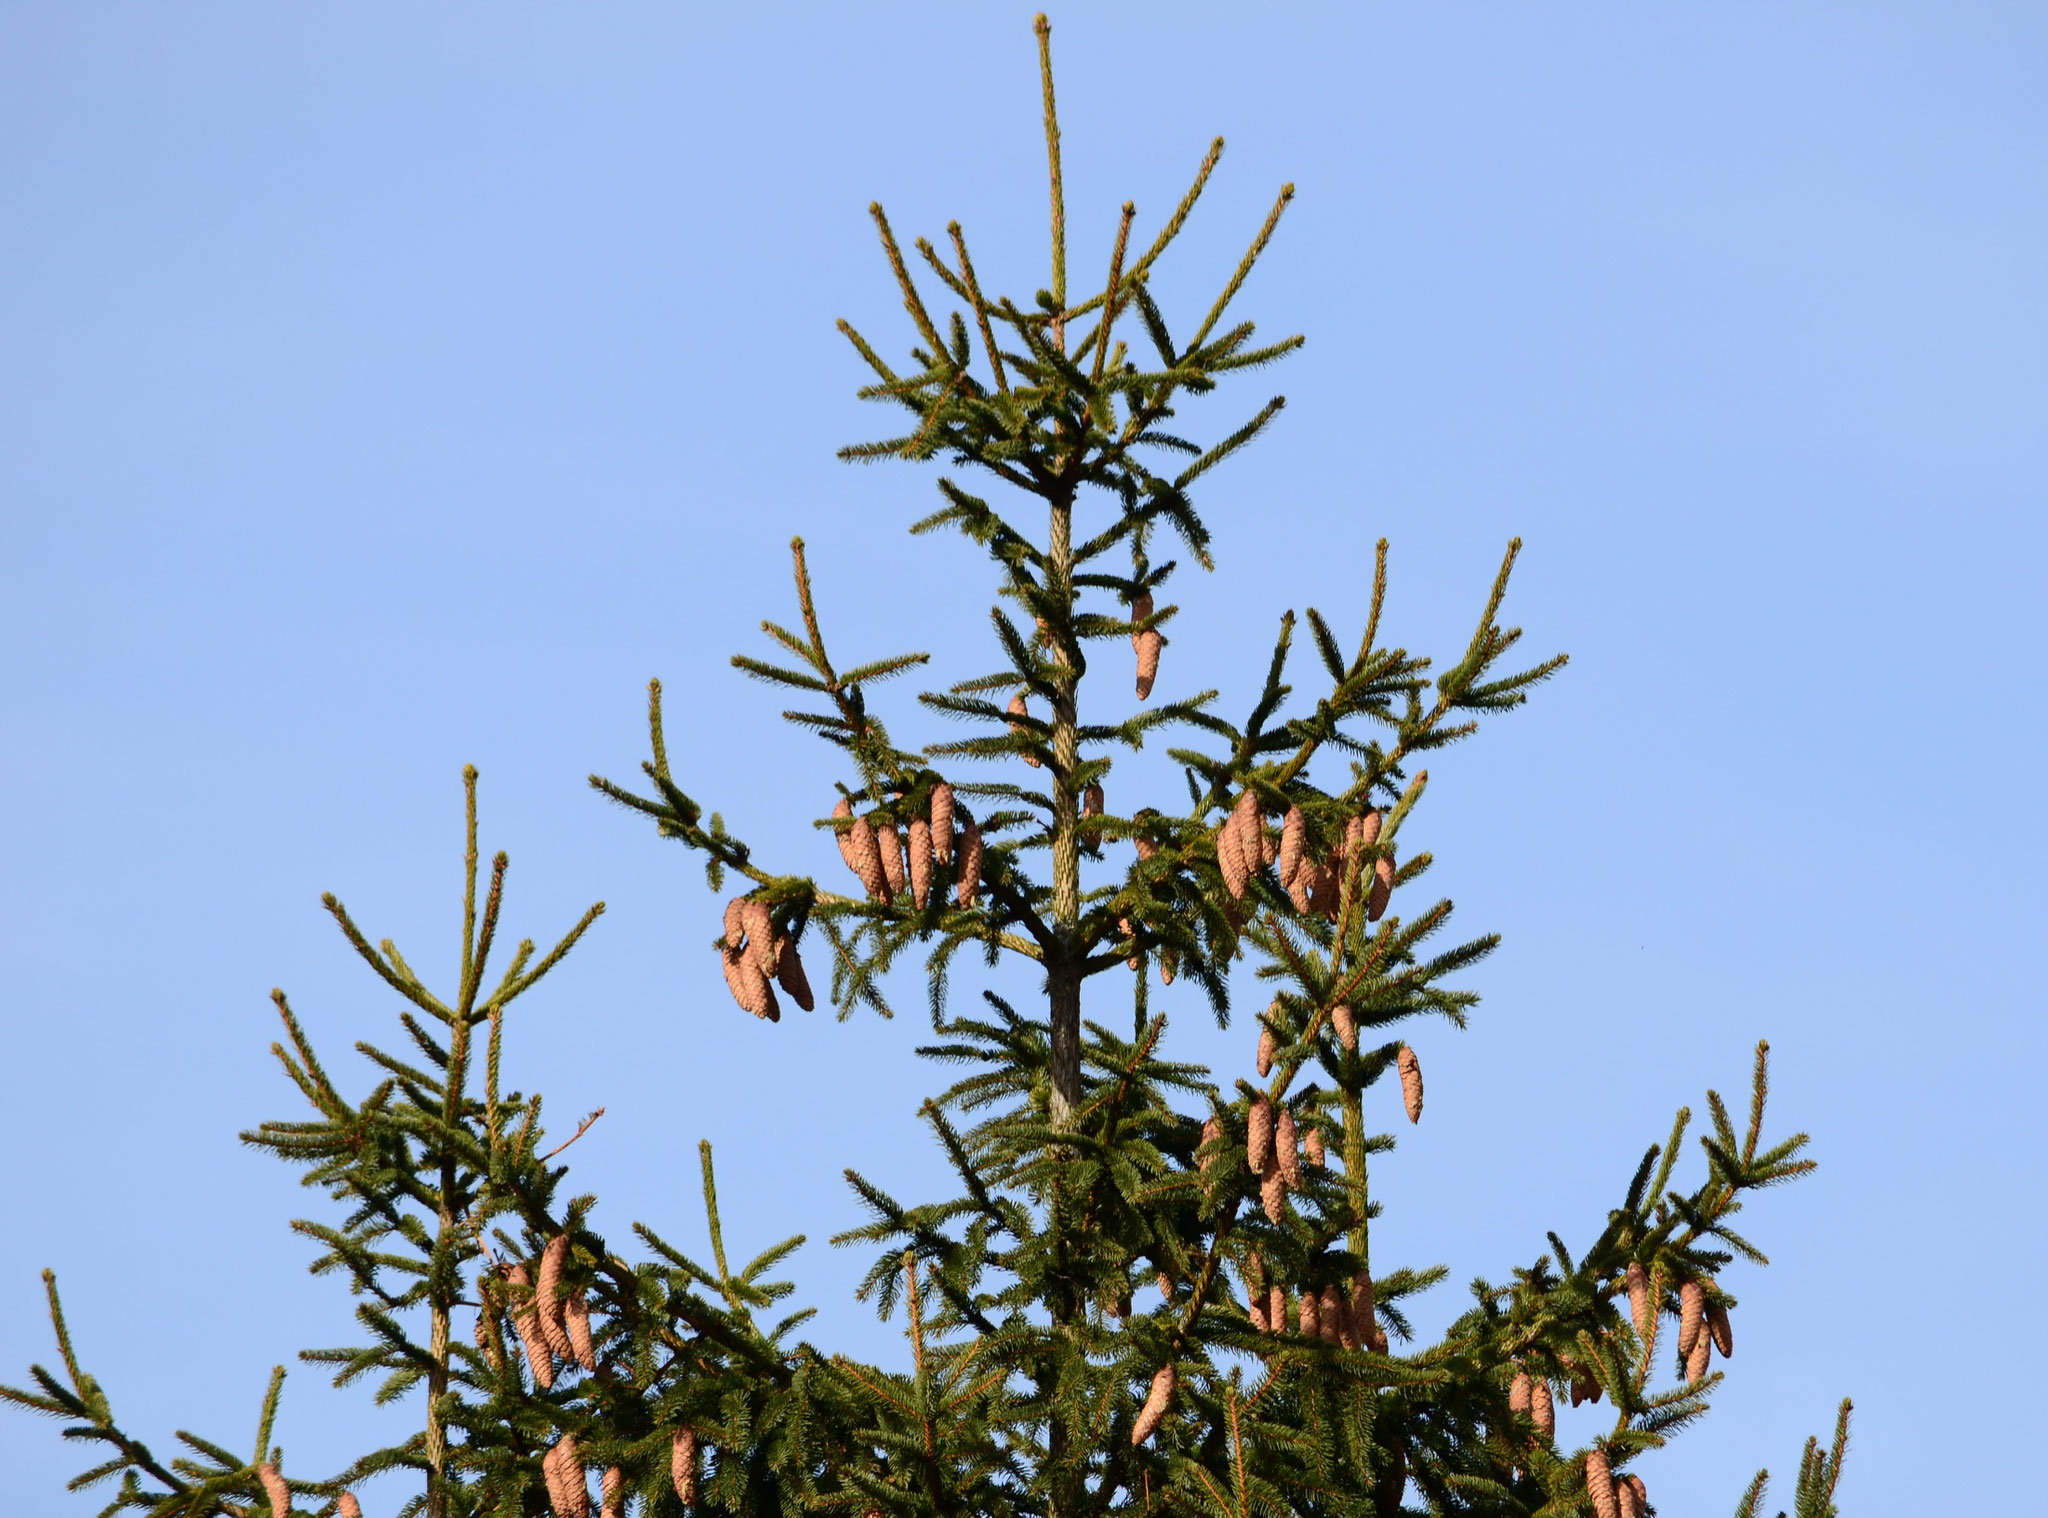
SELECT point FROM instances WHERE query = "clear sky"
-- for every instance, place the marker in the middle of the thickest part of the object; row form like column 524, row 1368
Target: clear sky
column 388, row 387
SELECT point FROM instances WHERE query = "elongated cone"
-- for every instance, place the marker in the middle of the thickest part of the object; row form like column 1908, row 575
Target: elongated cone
column 538, row 1360
column 1165, row 1284
column 1411, row 1083
column 1141, row 608
column 1701, row 1357
column 942, row 822
column 1149, row 644
column 1230, row 858
column 1146, row 847
column 970, row 864
column 789, row 974
column 576, row 1318
column 347, row 1506
column 840, row 809
column 1518, row 1393
column 1255, row 1309
column 682, row 1464
column 1309, row 1316
column 569, row 1471
column 1354, row 842
column 749, row 986
column 1091, row 800
column 1276, row 1308
column 1382, row 888
column 1250, row 832
column 889, row 844
column 274, row 1488
column 735, row 923
column 1273, row 1194
column 1300, row 890
column 1542, row 1409
column 1258, row 1135
column 1312, row 1145
column 614, row 1492
column 1287, row 1148
column 1628, row 1501
column 1345, row 1021
column 1155, row 1406
column 1718, row 1324
column 1293, row 844
column 1210, row 1151
column 1642, row 1494
column 1369, row 828
column 866, row 859
column 1692, row 1310
column 1019, row 708
column 1268, row 1047
column 1600, row 1484
column 1365, row 1314
column 558, row 1488
column 920, row 861
column 1347, row 1324
column 760, row 935
column 547, row 1297
column 1330, row 1315
column 1639, row 1305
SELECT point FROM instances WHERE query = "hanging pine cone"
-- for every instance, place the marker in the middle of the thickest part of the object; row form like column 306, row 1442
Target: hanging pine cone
column 576, row 1319
column 1369, row 829
column 1692, row 1309
column 734, row 924
column 1365, row 1314
column 789, row 974
column 1347, row 1324
column 1250, row 832
column 1329, row 1316
column 866, row 850
column 749, row 986
column 1642, row 1494
column 1146, row 847
column 942, row 822
column 682, row 1464
column 1600, row 1484
column 1091, row 800
column 889, row 844
column 920, row 862
column 1353, row 845
column 1255, row 1309
column 1322, row 890
column 1518, row 1393
column 1287, row 1148
column 1154, row 1409
column 274, row 1488
column 1149, row 644
column 1141, row 608
column 1230, row 858
column 1382, row 887
column 1312, row 1142
column 1701, row 1357
column 1309, row 1321
column 1210, row 1150
column 760, row 928
column 970, row 864
column 1411, row 1083
column 1258, row 1135
column 614, row 1492
column 346, row 1506
column 1276, row 1308
column 569, row 1480
column 841, row 809
column 547, row 1297
column 1639, row 1305
column 1345, row 1021
column 1268, row 1047
column 1629, row 1497
column 1273, row 1194
column 538, row 1360
column 1020, row 708
column 1300, row 890
column 1718, row 1324
column 1543, row 1409
column 1293, row 845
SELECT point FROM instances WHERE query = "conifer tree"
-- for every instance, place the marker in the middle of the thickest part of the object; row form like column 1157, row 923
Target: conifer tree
column 1151, row 1290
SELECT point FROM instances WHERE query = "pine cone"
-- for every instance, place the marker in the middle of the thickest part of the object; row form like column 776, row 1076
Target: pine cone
column 1313, row 1144
column 760, row 935
column 1230, row 859
column 842, row 808
column 682, row 1464
column 867, row 858
column 1250, row 832
column 1411, row 1083
column 538, row 1360
column 1543, row 1409
column 1019, row 708
column 576, row 1319
column 1718, row 1324
column 1154, row 1409
column 1692, row 1308
column 1329, row 1318
column 1382, row 888
column 942, row 822
column 1256, row 1311
column 1301, row 891
column 1258, row 1135
column 920, row 862
column 1293, row 845
column 749, row 986
column 1287, row 1148
column 1276, row 1308
column 1642, row 1494
column 1268, row 1047
column 547, row 1297
column 1309, row 1322
column 1210, row 1151
column 1639, row 1305
column 1354, row 842
column 1345, row 1021
column 790, row 976
column 735, row 924
column 1600, row 1484
column 1091, row 800
column 1365, row 1314
column 1141, row 608
column 551, row 1473
column 1273, row 1194
column 1518, row 1393
column 1146, row 847
column 1322, row 891
column 614, row 1492
column 1347, row 1323
column 569, row 1471
column 1149, row 644
column 889, row 843
column 274, row 1488
column 1630, row 1498
column 346, row 1506
column 970, row 864
column 1369, row 829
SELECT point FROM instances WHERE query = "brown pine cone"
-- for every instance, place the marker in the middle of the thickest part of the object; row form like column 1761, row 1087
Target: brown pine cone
column 1230, row 859
column 569, row 1471
column 1542, row 1408
column 889, row 843
column 1354, row 841
column 1258, row 1135
column 1273, row 1194
column 1154, row 1409
column 1411, row 1083
column 942, row 822
column 920, row 862
column 1276, row 1308
column 1365, row 1314
column 1600, row 1484
column 1330, row 1316
column 1019, row 708
column 1146, row 847
column 1309, row 1322
column 1312, row 1142
column 1692, row 1309
column 1369, row 829
column 538, row 1360
column 867, row 858
column 1209, row 1151
column 1149, row 644
column 1268, row 1047
column 682, row 1464
column 1639, row 1305
column 1322, row 891
column 1293, row 845
column 1141, row 608
column 274, row 1488
column 1255, row 1309
column 1642, row 1494
column 1382, row 888
column 735, row 923
column 1718, row 1324
column 840, row 809
column 1518, row 1393
column 1251, row 828
column 346, row 1506
column 1299, row 891
column 1345, row 1021
column 1091, row 800
column 749, row 986
column 1702, row 1355
column 547, row 1297
column 789, row 974
column 970, row 864
column 1630, row 1498
column 1347, row 1324
column 614, row 1492
column 576, row 1319
column 1287, row 1148
column 760, row 935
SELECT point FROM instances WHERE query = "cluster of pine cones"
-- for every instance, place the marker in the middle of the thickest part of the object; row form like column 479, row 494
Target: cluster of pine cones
column 1347, row 1319
column 568, row 1486
column 280, row 1496
column 753, row 953
column 1243, row 848
column 1703, row 1327
column 551, row 1324
column 888, row 859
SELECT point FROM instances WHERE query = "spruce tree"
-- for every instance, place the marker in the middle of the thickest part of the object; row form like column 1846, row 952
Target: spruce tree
column 1151, row 1289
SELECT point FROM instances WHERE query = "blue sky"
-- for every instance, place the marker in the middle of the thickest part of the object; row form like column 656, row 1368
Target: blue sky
column 390, row 389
